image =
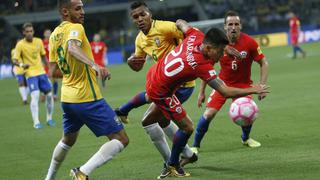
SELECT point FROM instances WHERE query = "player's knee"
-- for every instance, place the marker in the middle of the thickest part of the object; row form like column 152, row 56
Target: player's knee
column 209, row 114
column 125, row 141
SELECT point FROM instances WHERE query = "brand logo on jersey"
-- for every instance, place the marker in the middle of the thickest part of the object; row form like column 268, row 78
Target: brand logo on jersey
column 243, row 54
column 212, row 72
column 74, row 33
column 157, row 41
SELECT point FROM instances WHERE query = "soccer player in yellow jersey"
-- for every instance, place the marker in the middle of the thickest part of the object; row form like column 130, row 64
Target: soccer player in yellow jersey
column 156, row 39
column 22, row 81
column 81, row 100
column 29, row 54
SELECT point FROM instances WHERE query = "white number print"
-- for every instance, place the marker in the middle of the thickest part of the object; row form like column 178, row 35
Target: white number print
column 173, row 102
column 234, row 65
column 173, row 62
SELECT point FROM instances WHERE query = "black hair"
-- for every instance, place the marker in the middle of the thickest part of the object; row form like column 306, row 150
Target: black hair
column 26, row 25
column 137, row 4
column 216, row 37
column 63, row 3
column 230, row 13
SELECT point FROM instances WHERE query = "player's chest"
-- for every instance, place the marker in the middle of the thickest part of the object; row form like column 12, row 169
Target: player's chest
column 234, row 63
column 32, row 50
column 97, row 48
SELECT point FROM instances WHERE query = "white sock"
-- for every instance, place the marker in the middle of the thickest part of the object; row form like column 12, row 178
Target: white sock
column 23, row 93
column 170, row 131
column 58, row 156
column 34, row 106
column 49, row 105
column 105, row 154
column 157, row 137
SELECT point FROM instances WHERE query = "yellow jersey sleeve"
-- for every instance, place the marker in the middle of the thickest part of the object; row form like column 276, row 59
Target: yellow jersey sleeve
column 17, row 53
column 76, row 33
column 169, row 29
column 138, row 49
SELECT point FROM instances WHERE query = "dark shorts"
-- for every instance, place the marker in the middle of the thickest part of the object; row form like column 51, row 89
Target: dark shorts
column 184, row 93
column 21, row 78
column 40, row 82
column 98, row 116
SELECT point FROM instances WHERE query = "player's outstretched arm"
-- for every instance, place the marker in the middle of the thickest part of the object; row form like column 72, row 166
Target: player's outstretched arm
column 231, row 92
column 183, row 25
column 75, row 50
column 264, row 71
column 202, row 95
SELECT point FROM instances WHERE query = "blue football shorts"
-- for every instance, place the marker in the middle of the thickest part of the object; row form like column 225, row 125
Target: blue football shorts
column 21, row 78
column 40, row 82
column 183, row 93
column 98, row 116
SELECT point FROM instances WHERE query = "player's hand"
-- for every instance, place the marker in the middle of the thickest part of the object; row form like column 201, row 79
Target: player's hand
column 136, row 63
column 201, row 98
column 261, row 95
column 102, row 72
column 261, row 89
column 231, row 51
column 24, row 66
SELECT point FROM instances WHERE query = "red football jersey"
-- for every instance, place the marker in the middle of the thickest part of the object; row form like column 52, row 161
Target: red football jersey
column 294, row 24
column 184, row 63
column 237, row 72
column 46, row 48
column 98, row 51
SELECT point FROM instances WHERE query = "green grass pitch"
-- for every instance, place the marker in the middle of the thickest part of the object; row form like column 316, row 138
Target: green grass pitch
column 288, row 128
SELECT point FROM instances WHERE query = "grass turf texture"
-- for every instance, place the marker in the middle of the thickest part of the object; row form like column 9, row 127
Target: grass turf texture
column 288, row 128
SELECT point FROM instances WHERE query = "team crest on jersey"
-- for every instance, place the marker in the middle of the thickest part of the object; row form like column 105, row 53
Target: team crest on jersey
column 179, row 110
column 243, row 54
column 157, row 41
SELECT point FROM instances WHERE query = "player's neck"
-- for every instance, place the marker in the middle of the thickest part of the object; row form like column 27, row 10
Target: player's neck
column 29, row 40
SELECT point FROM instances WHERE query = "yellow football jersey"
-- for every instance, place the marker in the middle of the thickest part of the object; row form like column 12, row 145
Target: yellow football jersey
column 16, row 69
column 79, row 83
column 30, row 53
column 162, row 37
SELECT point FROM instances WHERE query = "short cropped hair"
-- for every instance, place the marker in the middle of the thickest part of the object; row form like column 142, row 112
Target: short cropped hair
column 216, row 37
column 230, row 13
column 63, row 3
column 26, row 25
column 137, row 4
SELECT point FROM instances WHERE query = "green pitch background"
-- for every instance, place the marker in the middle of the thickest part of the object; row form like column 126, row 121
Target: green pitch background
column 288, row 128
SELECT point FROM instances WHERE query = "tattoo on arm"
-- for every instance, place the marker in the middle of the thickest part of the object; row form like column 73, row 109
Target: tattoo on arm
column 216, row 83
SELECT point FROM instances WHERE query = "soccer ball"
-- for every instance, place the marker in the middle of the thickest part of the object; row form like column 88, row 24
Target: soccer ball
column 243, row 111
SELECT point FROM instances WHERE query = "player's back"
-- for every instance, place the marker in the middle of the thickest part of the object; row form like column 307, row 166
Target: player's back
column 79, row 82
column 184, row 63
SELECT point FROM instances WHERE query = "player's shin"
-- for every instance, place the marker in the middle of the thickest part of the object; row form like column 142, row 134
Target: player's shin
column 201, row 130
column 49, row 106
column 58, row 156
column 23, row 93
column 179, row 142
column 158, row 139
column 105, row 154
column 170, row 131
column 34, row 106
column 246, row 132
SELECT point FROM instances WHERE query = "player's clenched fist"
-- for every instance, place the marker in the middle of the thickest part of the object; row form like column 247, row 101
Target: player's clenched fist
column 136, row 63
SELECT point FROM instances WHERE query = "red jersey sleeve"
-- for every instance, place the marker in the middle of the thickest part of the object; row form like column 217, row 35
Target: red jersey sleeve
column 194, row 31
column 206, row 72
column 256, row 52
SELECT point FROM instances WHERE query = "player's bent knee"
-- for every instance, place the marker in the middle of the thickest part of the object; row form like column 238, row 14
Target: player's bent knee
column 209, row 114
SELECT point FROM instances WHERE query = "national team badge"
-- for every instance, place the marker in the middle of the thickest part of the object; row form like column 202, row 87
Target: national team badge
column 243, row 54
column 179, row 110
column 157, row 41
